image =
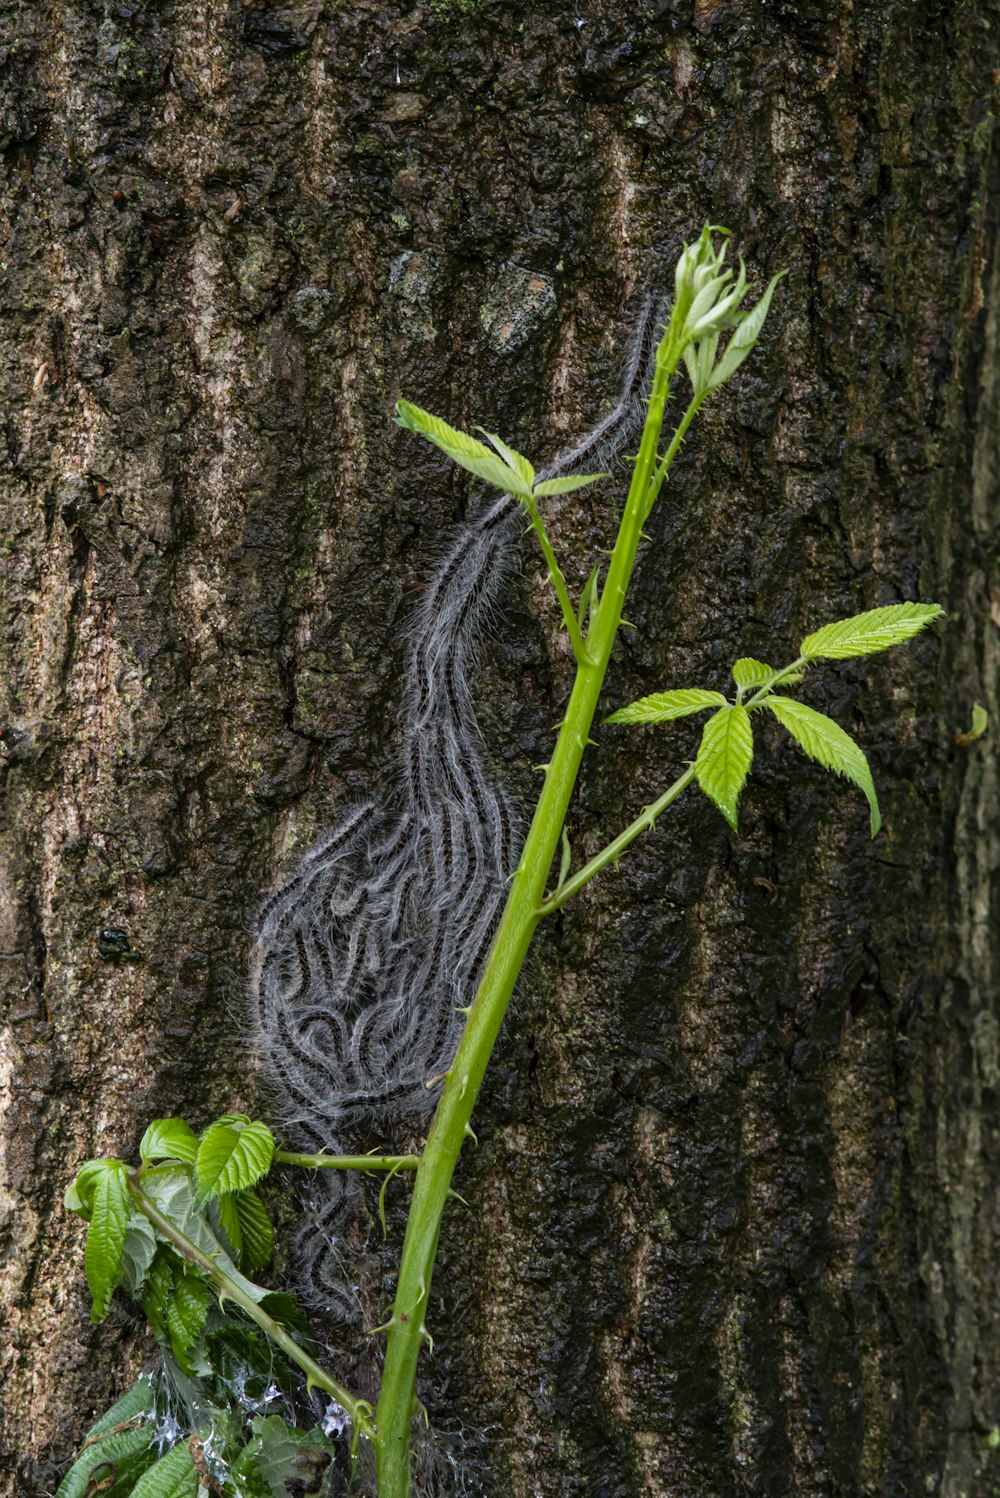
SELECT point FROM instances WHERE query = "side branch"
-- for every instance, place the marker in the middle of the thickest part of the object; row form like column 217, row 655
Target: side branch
column 358, row 1409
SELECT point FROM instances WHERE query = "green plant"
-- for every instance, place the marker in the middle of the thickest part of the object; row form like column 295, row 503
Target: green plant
column 188, row 1217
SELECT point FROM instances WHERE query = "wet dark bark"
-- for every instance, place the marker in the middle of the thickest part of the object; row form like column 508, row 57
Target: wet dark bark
column 734, row 1224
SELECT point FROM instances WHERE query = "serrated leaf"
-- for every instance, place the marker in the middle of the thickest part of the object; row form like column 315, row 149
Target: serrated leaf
column 158, row 1291
column 664, row 707
column 245, row 1473
column 229, row 1224
column 171, row 1188
column 187, row 1312
column 79, row 1194
column 232, row 1157
column 291, row 1459
column 874, row 630
column 109, row 1213
column 169, row 1139
column 748, row 672
column 111, row 1465
column 725, row 757
column 138, row 1252
column 568, row 484
column 283, row 1306
column 174, row 1476
column 827, row 743
column 515, row 460
column 462, row 449
column 258, row 1234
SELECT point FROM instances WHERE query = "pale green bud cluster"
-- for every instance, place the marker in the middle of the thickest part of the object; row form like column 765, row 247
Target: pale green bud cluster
column 707, row 303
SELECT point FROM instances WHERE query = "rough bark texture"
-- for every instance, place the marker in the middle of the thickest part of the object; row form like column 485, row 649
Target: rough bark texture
column 735, row 1225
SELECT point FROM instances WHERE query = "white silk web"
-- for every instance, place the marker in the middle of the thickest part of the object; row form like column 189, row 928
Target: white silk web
column 364, row 957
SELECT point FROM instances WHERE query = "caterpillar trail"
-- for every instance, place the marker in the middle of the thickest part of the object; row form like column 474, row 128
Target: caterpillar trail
column 362, row 959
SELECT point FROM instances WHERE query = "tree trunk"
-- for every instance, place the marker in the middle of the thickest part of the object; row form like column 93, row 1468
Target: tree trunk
column 734, row 1224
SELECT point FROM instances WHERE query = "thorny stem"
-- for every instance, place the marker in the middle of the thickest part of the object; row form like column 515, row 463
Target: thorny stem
column 521, row 915
column 616, row 848
column 347, row 1162
column 359, row 1411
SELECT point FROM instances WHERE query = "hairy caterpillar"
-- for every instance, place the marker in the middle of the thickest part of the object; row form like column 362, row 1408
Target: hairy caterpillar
column 362, row 960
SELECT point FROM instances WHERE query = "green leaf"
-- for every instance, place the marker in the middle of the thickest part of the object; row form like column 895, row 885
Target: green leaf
column 138, row 1252
column 750, row 673
column 663, row 707
column 79, row 1194
column 187, row 1313
column 159, row 1292
column 461, row 448
column 745, row 337
column 725, row 757
column 258, row 1234
column 139, row 1400
column 827, row 743
column 291, row 1460
column 232, row 1155
column 245, row 1474
column 174, row 1476
column 171, row 1188
column 283, row 1306
column 169, row 1139
column 111, row 1465
column 515, row 460
column 864, row 634
column 109, row 1213
column 229, row 1223
column 568, row 484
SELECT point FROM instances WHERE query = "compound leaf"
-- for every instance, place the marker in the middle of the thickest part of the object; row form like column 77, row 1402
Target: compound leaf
column 174, row 1476
column 663, row 707
column 875, row 630
column 725, row 757
column 827, row 743
column 233, row 1154
column 258, row 1234
column 169, row 1139
column 109, row 1214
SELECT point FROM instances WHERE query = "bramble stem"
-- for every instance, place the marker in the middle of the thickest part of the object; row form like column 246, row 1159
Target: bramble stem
column 616, row 848
column 510, row 945
column 358, row 1409
column 558, row 582
column 347, row 1162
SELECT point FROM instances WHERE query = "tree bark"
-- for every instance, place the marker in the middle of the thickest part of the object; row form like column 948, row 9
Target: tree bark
column 734, row 1219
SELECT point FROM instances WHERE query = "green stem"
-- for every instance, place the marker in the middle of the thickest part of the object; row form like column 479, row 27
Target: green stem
column 775, row 680
column 559, row 583
column 358, row 1409
column 510, row 945
column 616, row 848
column 347, row 1162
